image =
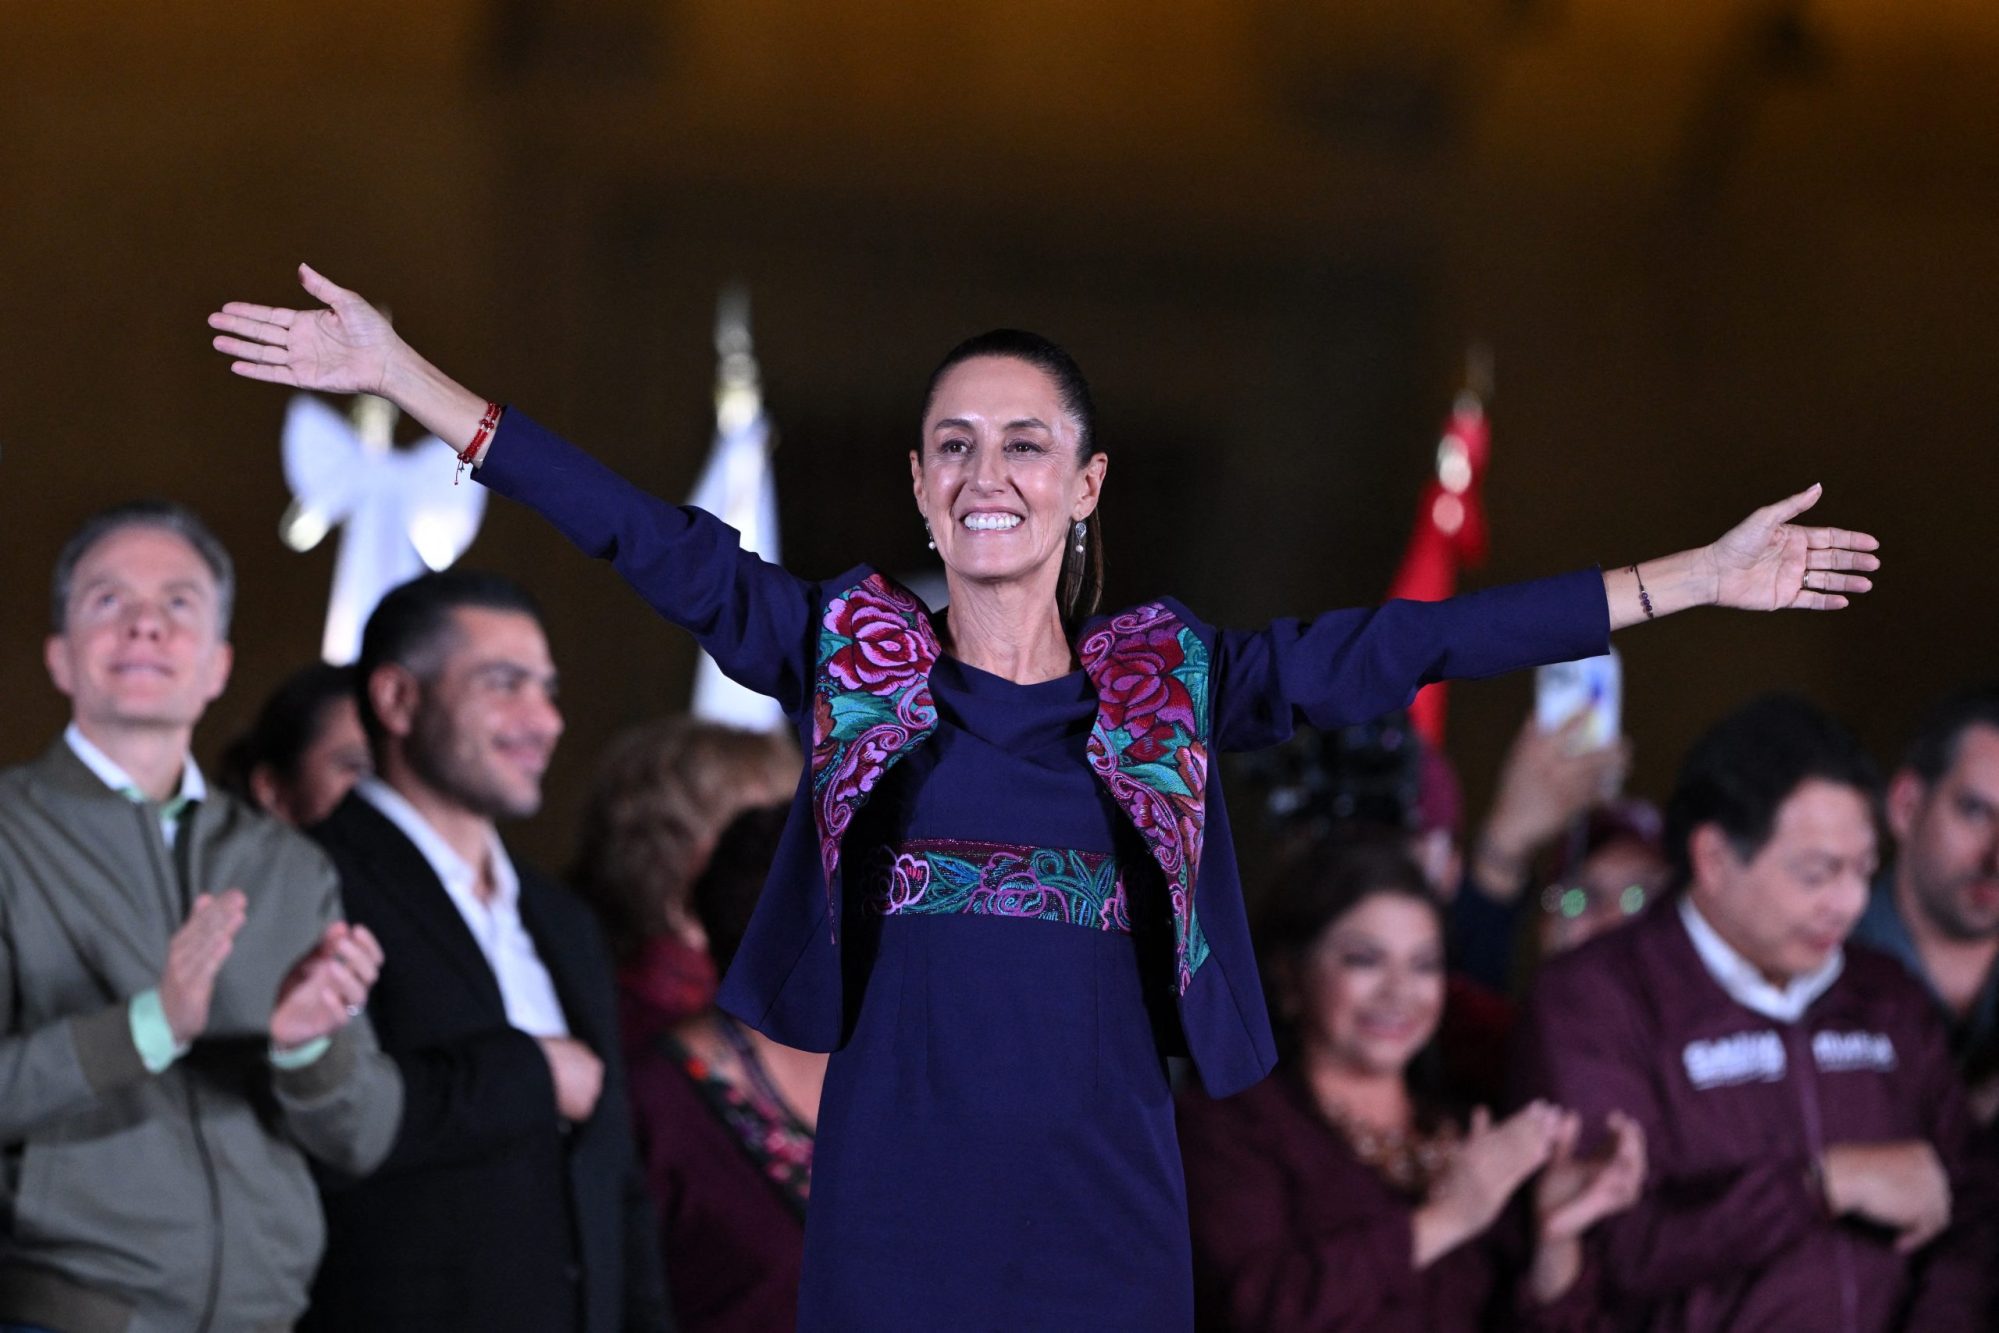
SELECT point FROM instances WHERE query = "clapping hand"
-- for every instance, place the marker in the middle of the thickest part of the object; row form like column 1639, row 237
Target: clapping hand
column 195, row 956
column 1575, row 1193
column 328, row 988
column 1494, row 1160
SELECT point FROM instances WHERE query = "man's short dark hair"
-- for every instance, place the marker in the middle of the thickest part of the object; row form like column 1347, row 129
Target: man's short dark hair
column 1740, row 773
column 412, row 626
column 1933, row 749
column 166, row 516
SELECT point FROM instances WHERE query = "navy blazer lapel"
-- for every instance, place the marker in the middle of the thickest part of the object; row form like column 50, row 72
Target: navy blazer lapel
column 403, row 881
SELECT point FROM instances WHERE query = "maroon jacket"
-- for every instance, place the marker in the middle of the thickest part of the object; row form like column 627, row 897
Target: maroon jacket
column 1732, row 1231
column 1293, row 1232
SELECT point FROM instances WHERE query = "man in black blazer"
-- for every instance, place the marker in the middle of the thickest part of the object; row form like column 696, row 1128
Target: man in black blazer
column 511, row 1199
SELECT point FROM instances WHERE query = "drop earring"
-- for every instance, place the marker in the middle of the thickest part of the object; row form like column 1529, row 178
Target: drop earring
column 929, row 538
column 1079, row 532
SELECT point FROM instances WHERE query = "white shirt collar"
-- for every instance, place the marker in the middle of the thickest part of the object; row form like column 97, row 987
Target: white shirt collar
column 527, row 990
column 1747, row 986
column 193, row 787
column 456, row 874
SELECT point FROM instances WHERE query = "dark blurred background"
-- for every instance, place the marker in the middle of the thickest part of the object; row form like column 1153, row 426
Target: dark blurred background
column 1720, row 248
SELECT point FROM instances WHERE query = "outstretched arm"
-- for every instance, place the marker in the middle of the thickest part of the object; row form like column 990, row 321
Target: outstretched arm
column 1764, row 563
column 1346, row 666
column 347, row 346
column 749, row 614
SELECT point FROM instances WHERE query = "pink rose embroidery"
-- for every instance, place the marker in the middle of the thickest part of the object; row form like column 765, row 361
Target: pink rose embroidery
column 1137, row 688
column 887, row 655
column 908, row 877
column 1146, row 665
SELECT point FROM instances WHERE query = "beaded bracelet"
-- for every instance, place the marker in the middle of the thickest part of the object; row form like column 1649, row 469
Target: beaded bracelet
column 1644, row 598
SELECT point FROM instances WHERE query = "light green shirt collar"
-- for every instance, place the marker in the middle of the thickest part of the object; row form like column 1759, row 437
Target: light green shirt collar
column 193, row 787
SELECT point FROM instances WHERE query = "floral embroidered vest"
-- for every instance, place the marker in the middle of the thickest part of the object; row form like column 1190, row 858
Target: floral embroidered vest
column 872, row 705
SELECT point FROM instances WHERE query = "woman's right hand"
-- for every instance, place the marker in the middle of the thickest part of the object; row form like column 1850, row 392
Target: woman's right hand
column 346, row 347
column 1493, row 1161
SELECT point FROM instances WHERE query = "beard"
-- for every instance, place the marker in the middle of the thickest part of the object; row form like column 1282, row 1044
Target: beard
column 1944, row 903
column 455, row 766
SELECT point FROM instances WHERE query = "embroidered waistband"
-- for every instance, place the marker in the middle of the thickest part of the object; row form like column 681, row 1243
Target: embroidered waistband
column 940, row 877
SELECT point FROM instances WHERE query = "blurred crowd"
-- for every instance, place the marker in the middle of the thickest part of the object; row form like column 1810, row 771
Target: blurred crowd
column 1576, row 1061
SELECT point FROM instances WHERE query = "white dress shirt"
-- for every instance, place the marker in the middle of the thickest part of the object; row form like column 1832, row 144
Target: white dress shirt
column 525, row 986
column 1747, row 986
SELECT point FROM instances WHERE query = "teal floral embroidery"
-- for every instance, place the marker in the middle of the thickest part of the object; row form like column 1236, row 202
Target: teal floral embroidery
column 1149, row 746
column 944, row 877
column 871, row 702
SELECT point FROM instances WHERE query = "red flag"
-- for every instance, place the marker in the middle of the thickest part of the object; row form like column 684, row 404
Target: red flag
column 1450, row 532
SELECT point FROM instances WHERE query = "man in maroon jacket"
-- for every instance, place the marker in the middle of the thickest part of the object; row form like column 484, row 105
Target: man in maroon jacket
column 1807, row 1130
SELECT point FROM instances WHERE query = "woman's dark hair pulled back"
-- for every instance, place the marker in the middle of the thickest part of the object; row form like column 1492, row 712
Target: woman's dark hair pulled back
column 291, row 722
column 1082, row 575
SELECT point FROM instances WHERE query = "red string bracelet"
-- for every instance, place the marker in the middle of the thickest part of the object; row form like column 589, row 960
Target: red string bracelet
column 470, row 457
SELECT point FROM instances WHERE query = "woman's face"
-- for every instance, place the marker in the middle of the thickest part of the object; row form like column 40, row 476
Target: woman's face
column 1371, row 988
column 333, row 763
column 997, row 477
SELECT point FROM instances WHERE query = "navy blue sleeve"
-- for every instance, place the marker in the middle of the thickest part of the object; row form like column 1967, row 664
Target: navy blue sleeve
column 1345, row 667
column 751, row 616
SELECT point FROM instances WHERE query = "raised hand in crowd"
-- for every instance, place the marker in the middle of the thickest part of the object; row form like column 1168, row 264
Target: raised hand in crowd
column 578, row 1075
column 195, row 956
column 1493, row 1161
column 1901, row 1186
column 1548, row 779
column 1574, row 1193
column 328, row 988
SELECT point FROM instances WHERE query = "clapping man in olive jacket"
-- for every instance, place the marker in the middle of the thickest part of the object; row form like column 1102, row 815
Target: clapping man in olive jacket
column 178, row 995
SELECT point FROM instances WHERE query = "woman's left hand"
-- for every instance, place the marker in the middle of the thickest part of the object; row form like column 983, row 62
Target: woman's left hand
column 1574, row 1193
column 1768, row 563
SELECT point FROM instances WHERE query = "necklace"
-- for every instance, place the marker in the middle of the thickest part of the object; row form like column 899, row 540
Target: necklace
column 1405, row 1157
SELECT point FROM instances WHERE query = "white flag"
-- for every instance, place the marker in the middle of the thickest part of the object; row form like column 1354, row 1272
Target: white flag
column 737, row 487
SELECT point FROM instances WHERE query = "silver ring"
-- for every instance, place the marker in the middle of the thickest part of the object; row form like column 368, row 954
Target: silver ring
column 353, row 1011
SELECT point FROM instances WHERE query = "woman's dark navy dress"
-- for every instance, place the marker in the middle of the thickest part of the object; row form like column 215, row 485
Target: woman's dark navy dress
column 996, row 1143
column 1002, row 962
